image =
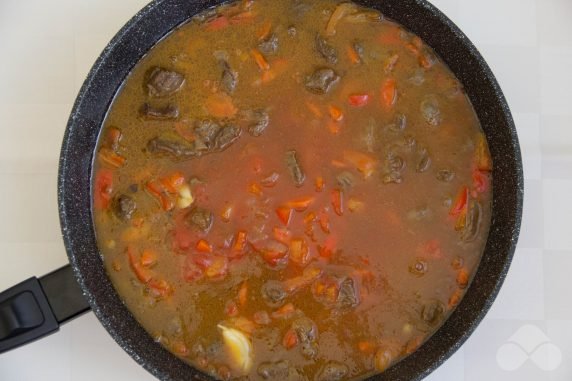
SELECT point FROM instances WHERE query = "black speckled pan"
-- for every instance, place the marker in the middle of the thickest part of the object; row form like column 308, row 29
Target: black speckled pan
column 157, row 20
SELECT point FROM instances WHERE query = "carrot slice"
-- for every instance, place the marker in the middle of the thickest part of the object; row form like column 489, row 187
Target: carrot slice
column 264, row 31
column 262, row 63
column 243, row 294
column 336, row 113
column 337, row 201
column 461, row 202
column 284, row 214
column 204, row 247
column 173, row 182
column 239, row 241
column 141, row 273
column 220, row 105
column 110, row 158
column 290, row 339
column 389, row 93
column 301, row 204
column 284, row 312
column 320, row 184
column 353, row 55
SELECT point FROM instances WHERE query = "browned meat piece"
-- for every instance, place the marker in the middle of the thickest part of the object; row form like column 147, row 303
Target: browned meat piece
column 164, row 83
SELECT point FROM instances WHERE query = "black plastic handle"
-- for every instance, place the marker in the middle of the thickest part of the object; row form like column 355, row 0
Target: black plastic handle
column 37, row 307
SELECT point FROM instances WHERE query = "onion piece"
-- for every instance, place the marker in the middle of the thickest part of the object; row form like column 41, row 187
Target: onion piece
column 341, row 11
column 239, row 348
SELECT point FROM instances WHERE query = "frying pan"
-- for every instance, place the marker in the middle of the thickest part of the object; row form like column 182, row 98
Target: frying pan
column 38, row 306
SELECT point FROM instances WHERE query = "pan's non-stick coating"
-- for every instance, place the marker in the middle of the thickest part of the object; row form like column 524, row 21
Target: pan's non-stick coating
column 153, row 23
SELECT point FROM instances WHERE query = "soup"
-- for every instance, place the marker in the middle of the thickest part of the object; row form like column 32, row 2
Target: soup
column 291, row 190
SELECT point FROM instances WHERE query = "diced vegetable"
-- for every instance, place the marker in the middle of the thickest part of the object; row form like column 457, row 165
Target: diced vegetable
column 110, row 158
column 339, row 13
column 243, row 294
column 336, row 113
column 261, row 62
column 103, row 188
column 482, row 157
column 144, row 275
column 338, row 201
column 284, row 312
column 290, row 339
column 389, row 93
column 239, row 348
column 284, row 214
column 355, row 205
column 240, row 241
column 358, row 100
column 185, row 197
column 461, row 201
column 299, row 253
column 282, row 235
column 320, row 184
column 300, row 204
column 204, row 247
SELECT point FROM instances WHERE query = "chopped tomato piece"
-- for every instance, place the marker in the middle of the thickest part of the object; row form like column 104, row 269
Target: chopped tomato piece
column 103, row 188
column 282, row 235
column 191, row 271
column 389, row 93
column 327, row 249
column 231, row 309
column 461, row 202
column 218, row 23
column 358, row 100
column 284, row 214
column 300, row 204
column 290, row 339
column 204, row 247
column 159, row 288
column 337, row 198
column 275, row 253
column 480, row 181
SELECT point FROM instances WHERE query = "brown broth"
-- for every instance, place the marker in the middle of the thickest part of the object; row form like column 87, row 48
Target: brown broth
column 382, row 277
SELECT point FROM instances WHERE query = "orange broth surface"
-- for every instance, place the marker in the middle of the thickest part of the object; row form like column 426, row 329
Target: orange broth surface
column 291, row 190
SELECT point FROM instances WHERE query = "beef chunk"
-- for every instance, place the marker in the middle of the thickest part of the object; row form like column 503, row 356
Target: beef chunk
column 164, row 83
column 149, row 112
column 123, row 207
column 270, row 45
column 258, row 121
column 432, row 312
column 206, row 132
column 229, row 79
column 227, row 136
column 322, row 81
column 327, row 51
column 175, row 147
column 333, row 371
column 295, row 168
column 200, row 219
column 273, row 293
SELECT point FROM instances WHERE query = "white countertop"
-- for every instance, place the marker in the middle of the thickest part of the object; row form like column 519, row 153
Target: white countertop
column 46, row 50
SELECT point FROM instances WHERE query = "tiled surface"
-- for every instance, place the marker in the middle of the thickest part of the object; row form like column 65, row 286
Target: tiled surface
column 46, row 49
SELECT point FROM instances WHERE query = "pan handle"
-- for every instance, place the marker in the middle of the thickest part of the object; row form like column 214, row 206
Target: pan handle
column 37, row 307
